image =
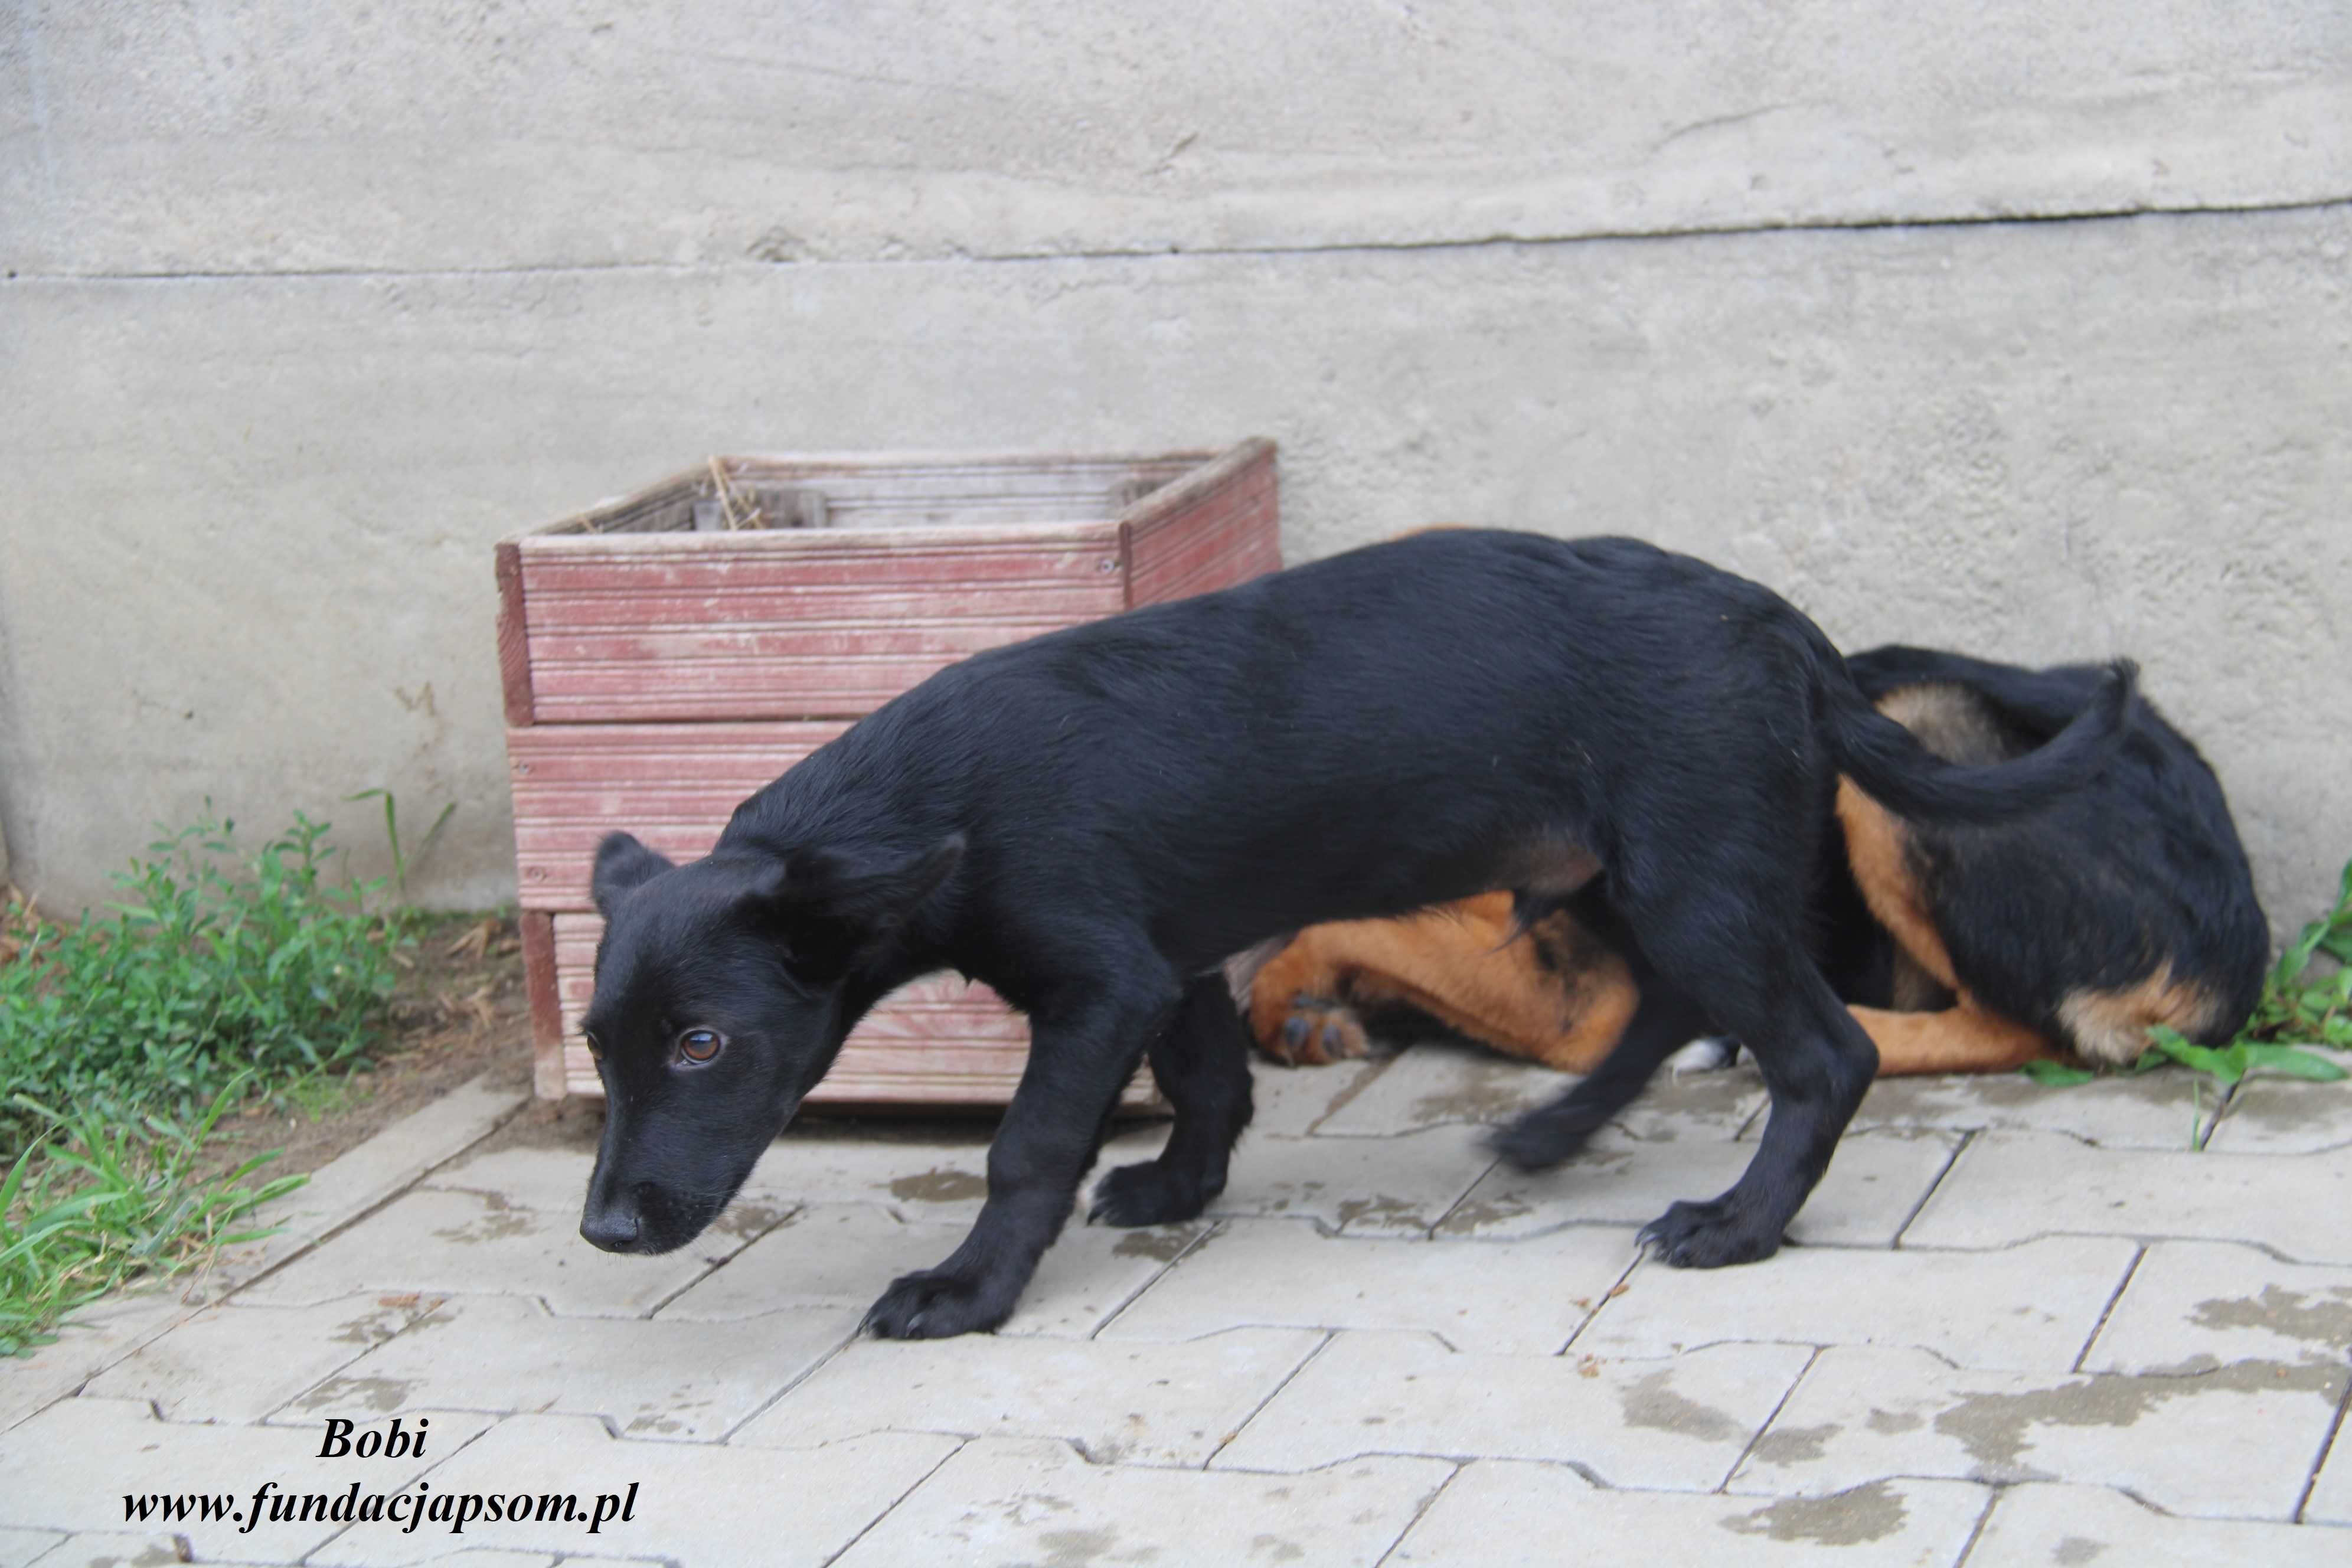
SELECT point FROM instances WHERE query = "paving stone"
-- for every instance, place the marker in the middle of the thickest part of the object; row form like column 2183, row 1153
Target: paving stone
column 1697, row 1107
column 467, row 1243
column 2147, row 1110
column 2030, row 1309
column 114, row 1550
column 1504, row 1511
column 2271, row 1115
column 364, row 1176
column 1437, row 1085
column 1873, row 1187
column 69, row 1467
column 935, row 1178
column 88, row 1343
column 2331, row 1492
column 1441, row 1084
column 239, row 1363
column 554, row 1182
column 2012, row 1186
column 1374, row 1186
column 2192, row 1306
column 1525, row 1297
column 1139, row 1404
column 1676, row 1425
column 551, row 1179
column 845, row 1254
column 697, row 1505
column 663, row 1379
column 19, row 1547
column 1290, row 1103
column 834, row 1254
column 2233, row 1443
column 939, row 1176
column 2045, row 1524
column 1003, row 1501
column 1088, row 1273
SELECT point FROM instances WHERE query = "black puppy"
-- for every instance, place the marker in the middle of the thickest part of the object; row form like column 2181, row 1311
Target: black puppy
column 1096, row 821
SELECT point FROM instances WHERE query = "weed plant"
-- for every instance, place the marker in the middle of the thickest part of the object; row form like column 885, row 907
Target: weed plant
column 97, row 1201
column 126, row 1036
column 210, row 966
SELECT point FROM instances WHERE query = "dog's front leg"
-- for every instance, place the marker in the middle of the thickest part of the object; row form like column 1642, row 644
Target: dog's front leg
column 1201, row 1061
column 1082, row 1050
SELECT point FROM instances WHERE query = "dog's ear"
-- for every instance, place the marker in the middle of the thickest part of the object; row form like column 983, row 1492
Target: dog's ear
column 622, row 866
column 828, row 907
column 868, row 899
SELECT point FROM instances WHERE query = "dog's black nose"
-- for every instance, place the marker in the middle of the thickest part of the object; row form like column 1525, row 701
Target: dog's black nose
column 612, row 1227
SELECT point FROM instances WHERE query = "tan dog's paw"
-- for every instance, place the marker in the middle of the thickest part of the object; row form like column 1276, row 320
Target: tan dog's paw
column 1316, row 1031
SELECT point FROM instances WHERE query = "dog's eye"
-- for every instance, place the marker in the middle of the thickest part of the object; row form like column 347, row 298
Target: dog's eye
column 701, row 1045
column 595, row 1048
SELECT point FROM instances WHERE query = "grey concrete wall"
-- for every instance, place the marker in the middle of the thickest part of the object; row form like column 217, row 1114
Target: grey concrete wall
column 2017, row 328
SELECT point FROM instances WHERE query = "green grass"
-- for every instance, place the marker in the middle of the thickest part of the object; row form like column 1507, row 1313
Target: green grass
column 94, row 1202
column 126, row 1036
column 213, row 964
column 2306, row 1000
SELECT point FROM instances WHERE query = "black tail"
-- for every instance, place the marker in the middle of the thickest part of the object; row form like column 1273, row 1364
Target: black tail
column 2041, row 702
column 1886, row 759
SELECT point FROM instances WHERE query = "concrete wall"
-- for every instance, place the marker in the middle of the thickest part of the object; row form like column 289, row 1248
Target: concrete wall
column 2013, row 327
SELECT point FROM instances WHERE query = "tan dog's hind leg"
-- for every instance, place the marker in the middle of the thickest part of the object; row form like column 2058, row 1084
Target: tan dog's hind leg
column 1551, row 996
column 1298, row 1007
column 1878, row 848
column 1965, row 1038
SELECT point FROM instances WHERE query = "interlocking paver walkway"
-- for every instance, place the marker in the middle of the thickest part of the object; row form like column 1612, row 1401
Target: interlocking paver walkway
column 2020, row 1326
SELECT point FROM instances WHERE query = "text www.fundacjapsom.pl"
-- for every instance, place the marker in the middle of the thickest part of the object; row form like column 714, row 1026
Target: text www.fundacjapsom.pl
column 410, row 1507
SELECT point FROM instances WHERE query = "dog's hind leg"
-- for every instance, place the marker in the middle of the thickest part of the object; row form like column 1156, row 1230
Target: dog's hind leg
column 1084, row 1041
column 1965, row 1039
column 1201, row 1064
column 1818, row 1063
column 1665, row 1020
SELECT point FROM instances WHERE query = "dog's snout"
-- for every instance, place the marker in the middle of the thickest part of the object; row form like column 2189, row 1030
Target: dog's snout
column 612, row 1227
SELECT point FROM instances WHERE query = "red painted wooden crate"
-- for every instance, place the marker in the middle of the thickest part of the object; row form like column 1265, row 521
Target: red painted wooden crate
column 668, row 654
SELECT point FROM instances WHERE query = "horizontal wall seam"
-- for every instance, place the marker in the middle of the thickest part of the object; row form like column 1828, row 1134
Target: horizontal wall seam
column 1175, row 252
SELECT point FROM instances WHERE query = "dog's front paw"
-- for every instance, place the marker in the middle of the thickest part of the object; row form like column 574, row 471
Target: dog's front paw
column 1547, row 1136
column 1316, row 1031
column 934, row 1305
column 1148, row 1193
column 1711, row 1234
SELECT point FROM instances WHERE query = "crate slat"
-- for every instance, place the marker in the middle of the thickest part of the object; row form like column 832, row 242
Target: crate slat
column 787, row 623
column 901, row 488
column 673, row 785
column 1227, row 535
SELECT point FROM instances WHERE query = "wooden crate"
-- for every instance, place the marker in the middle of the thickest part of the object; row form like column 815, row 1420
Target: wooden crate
column 662, row 661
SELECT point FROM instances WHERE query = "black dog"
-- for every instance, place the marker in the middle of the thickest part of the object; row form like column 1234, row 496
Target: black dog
column 1096, row 821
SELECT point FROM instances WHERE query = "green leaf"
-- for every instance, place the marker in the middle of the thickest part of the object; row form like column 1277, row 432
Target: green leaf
column 2228, row 1065
column 2293, row 1062
column 2056, row 1075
